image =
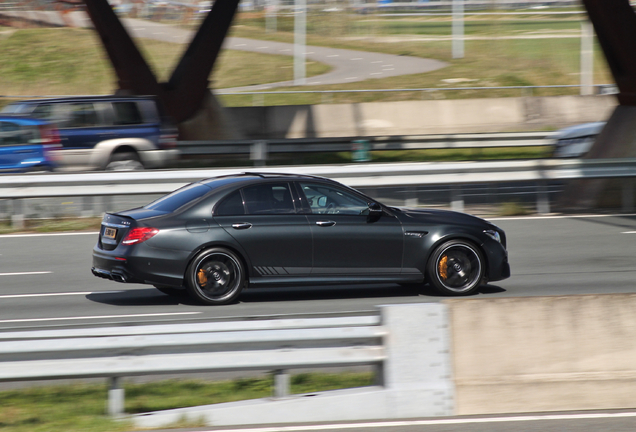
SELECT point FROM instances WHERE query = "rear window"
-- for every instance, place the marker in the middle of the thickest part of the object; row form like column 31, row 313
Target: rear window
column 179, row 198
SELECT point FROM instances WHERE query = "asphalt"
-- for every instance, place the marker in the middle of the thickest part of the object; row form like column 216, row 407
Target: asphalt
column 347, row 65
column 45, row 281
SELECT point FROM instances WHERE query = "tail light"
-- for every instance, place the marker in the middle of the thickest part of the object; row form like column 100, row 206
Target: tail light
column 168, row 140
column 50, row 138
column 139, row 235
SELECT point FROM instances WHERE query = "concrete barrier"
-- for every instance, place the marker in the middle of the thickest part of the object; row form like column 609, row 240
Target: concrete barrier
column 420, row 117
column 544, row 353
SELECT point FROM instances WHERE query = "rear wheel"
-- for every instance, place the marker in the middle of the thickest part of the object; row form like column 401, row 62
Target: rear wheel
column 215, row 276
column 456, row 267
column 124, row 161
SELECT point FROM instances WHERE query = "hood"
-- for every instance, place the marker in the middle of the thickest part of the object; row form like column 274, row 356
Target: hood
column 438, row 216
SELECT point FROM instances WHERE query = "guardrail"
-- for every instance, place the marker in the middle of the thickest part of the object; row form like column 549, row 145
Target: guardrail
column 260, row 149
column 107, row 184
column 113, row 353
column 264, row 345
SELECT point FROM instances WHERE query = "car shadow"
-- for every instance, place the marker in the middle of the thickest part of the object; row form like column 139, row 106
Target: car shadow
column 139, row 297
column 153, row 297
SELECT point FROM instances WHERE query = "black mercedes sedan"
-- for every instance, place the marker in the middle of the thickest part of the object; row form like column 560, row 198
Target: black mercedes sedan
column 217, row 236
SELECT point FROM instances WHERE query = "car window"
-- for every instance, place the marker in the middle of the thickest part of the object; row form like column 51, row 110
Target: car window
column 179, row 198
column 12, row 134
column 82, row 115
column 44, row 111
column 126, row 113
column 232, row 205
column 324, row 199
column 269, row 198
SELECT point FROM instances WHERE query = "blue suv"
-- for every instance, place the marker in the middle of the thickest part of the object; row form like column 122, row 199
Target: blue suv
column 106, row 132
column 28, row 144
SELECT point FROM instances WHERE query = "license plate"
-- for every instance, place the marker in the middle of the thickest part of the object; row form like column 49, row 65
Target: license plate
column 110, row 233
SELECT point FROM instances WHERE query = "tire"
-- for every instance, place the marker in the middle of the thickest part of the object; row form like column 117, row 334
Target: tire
column 125, row 161
column 171, row 291
column 215, row 277
column 456, row 268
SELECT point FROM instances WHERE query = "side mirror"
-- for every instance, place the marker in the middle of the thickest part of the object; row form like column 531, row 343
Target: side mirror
column 375, row 212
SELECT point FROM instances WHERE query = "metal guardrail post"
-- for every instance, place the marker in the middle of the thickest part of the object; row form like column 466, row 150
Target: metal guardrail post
column 88, row 208
column 281, row 383
column 115, row 398
column 543, row 199
column 17, row 213
column 628, row 195
column 258, row 153
column 457, row 200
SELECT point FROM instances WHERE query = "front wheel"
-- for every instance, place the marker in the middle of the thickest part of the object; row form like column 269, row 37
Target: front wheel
column 215, row 277
column 456, row 267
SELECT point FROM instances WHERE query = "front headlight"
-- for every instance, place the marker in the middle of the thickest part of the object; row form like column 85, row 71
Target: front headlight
column 493, row 235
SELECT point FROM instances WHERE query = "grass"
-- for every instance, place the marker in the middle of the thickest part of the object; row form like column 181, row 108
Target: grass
column 61, row 61
column 53, row 225
column 82, row 407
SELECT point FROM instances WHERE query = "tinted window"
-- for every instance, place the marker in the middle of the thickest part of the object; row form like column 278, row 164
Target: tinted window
column 83, row 115
column 330, row 200
column 269, row 198
column 12, row 134
column 231, row 206
column 126, row 113
column 44, row 111
column 179, row 198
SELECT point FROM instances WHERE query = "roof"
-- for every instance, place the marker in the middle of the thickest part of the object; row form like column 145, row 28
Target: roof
column 82, row 98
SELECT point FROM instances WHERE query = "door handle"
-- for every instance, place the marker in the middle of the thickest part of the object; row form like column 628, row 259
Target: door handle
column 241, row 225
column 325, row 223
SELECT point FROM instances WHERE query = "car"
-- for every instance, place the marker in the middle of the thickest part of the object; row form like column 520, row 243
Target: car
column 212, row 238
column 118, row 133
column 28, row 144
column 576, row 141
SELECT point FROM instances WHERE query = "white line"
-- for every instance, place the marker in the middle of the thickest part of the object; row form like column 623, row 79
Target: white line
column 352, row 78
column 449, row 421
column 25, row 273
column 376, row 73
column 57, row 294
column 240, row 45
column 49, row 234
column 97, row 317
column 628, row 232
column 315, row 82
column 560, row 217
column 334, row 55
column 357, row 58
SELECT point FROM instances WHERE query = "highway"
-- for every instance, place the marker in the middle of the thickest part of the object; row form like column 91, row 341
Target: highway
column 45, row 280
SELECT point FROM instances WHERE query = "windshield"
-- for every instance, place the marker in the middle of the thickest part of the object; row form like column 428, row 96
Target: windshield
column 14, row 109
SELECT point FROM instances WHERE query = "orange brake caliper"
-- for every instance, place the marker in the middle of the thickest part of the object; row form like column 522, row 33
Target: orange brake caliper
column 442, row 267
column 202, row 277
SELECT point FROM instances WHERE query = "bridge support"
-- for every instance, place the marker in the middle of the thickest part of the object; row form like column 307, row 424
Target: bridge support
column 614, row 22
column 186, row 94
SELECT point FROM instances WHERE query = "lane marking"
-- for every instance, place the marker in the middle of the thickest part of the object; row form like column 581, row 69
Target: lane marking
column 352, row 78
column 357, row 58
column 378, row 61
column 448, row 421
column 6, row 296
column 628, row 232
column 334, row 55
column 49, row 234
column 25, row 273
column 21, row 320
column 559, row 217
